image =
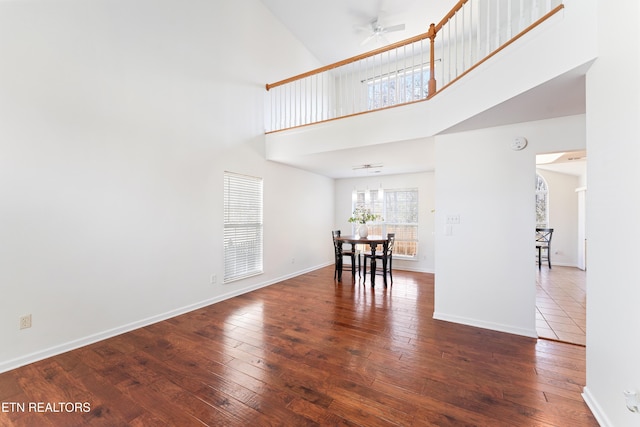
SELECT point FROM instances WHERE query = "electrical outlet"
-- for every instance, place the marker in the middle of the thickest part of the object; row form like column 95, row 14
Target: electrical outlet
column 214, row 279
column 25, row 321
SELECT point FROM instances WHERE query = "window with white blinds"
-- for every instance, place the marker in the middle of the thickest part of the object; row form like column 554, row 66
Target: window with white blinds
column 242, row 226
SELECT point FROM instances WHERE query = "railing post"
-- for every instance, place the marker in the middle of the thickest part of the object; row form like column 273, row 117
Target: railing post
column 432, row 61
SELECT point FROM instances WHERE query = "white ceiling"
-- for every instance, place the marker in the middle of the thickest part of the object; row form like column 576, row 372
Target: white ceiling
column 393, row 157
column 332, row 31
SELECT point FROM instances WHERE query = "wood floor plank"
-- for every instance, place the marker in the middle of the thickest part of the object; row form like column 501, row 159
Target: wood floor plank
column 310, row 351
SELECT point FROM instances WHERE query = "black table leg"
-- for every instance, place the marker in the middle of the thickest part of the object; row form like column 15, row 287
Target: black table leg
column 373, row 265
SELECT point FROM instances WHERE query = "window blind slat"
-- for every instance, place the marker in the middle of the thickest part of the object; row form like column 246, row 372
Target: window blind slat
column 243, row 229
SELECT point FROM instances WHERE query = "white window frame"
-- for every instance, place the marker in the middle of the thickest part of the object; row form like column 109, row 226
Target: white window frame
column 243, row 227
column 398, row 87
column 377, row 201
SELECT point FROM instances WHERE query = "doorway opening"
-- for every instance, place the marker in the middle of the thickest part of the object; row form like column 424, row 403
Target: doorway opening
column 561, row 289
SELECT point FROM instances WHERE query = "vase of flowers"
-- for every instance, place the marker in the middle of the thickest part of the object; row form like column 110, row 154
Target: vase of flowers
column 362, row 215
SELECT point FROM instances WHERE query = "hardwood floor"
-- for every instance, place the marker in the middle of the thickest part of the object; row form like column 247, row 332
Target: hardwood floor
column 561, row 304
column 308, row 351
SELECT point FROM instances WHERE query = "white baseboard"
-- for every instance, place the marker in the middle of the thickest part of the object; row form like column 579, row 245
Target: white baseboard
column 403, row 268
column 531, row 333
column 415, row 270
column 557, row 264
column 595, row 408
column 110, row 333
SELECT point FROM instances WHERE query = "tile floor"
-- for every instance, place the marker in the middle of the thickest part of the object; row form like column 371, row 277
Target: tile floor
column 561, row 304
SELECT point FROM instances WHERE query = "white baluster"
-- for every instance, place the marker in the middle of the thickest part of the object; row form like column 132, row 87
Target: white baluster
column 509, row 26
column 497, row 24
column 488, row 43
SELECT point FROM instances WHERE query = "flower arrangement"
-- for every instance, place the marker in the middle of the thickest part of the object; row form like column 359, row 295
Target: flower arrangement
column 362, row 215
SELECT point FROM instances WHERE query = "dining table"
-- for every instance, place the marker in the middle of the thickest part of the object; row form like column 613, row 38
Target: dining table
column 372, row 242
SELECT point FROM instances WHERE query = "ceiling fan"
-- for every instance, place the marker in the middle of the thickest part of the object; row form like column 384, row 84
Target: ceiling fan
column 371, row 167
column 377, row 31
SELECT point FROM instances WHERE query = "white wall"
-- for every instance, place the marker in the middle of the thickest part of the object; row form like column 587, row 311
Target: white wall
column 563, row 216
column 491, row 187
column 117, row 121
column 613, row 209
column 424, row 182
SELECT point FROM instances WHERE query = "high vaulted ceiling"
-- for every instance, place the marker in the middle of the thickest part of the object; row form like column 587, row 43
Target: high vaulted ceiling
column 334, row 30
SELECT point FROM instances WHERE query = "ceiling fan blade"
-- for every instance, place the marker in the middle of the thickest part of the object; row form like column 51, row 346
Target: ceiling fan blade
column 399, row 27
column 368, row 39
column 368, row 166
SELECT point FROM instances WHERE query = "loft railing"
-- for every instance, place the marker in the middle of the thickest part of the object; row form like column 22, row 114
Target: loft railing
column 409, row 71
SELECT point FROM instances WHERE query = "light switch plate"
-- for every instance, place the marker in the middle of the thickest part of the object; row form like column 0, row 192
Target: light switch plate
column 453, row 219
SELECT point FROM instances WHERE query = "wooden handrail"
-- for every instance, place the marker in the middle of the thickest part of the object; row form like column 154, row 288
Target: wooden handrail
column 431, row 34
column 450, row 15
column 433, row 29
column 350, row 60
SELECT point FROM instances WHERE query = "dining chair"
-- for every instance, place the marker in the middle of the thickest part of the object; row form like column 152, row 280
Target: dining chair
column 386, row 256
column 339, row 253
column 543, row 245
